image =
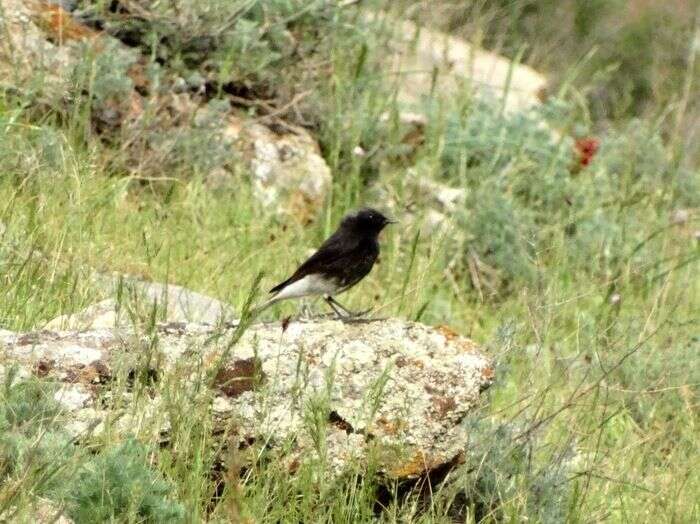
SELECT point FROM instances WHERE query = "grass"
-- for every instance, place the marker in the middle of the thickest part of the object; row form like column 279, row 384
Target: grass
column 582, row 284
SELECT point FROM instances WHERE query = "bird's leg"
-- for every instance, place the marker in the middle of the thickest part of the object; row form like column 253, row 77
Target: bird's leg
column 334, row 304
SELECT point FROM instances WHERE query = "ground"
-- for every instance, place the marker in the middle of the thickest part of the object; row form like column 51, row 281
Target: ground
column 574, row 266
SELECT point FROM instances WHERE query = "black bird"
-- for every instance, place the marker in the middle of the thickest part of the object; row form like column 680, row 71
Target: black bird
column 345, row 258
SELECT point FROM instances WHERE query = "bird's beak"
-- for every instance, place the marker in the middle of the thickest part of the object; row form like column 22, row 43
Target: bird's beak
column 390, row 221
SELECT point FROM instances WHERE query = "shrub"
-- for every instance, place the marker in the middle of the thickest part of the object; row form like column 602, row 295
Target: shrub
column 31, row 442
column 119, row 484
column 530, row 201
column 499, row 478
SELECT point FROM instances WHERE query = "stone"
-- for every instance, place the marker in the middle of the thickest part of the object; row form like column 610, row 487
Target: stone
column 182, row 304
column 40, row 511
column 178, row 303
column 391, row 389
column 421, row 200
column 97, row 316
column 419, row 53
column 433, row 223
column 441, row 197
column 26, row 54
column 289, row 175
column 42, row 44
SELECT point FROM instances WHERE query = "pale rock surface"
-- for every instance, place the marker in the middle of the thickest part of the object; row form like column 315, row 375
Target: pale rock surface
column 439, row 202
column 419, row 199
column 183, row 305
column 41, row 44
column 97, row 316
column 392, row 389
column 289, row 175
column 41, row 511
column 419, row 52
column 178, row 303
column 25, row 53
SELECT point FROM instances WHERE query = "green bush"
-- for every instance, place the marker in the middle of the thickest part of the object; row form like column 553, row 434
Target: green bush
column 32, row 444
column 119, row 484
column 530, row 202
column 241, row 44
column 499, row 480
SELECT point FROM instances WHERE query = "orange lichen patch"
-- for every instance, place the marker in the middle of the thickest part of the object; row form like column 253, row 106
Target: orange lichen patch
column 402, row 361
column 95, row 373
column 452, row 336
column 416, row 465
column 100, row 371
column 468, row 346
column 211, row 357
column 390, row 427
column 488, row 373
column 59, row 26
column 447, row 332
column 443, row 405
column 419, row 464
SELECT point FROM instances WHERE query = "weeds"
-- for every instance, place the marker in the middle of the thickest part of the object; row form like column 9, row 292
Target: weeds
column 581, row 279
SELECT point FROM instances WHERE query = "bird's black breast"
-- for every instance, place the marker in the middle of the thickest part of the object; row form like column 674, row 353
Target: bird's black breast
column 357, row 264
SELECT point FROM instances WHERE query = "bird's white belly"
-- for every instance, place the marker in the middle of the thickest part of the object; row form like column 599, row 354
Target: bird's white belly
column 309, row 285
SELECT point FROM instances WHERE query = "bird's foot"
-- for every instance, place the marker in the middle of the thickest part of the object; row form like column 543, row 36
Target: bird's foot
column 358, row 314
column 343, row 313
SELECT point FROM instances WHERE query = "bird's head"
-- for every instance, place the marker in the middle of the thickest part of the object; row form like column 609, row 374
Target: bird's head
column 367, row 221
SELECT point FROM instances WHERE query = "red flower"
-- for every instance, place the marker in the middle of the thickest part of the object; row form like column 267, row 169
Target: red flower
column 586, row 148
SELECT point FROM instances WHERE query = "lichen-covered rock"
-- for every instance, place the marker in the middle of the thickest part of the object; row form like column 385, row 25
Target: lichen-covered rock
column 42, row 44
column 25, row 52
column 177, row 303
column 182, row 304
column 97, row 316
column 393, row 390
column 289, row 175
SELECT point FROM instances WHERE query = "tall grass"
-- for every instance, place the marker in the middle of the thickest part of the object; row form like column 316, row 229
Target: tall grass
column 582, row 283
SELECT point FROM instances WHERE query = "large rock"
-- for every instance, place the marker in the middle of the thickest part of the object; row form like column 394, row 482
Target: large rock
column 394, row 390
column 102, row 315
column 25, row 52
column 176, row 303
column 42, row 44
column 426, row 60
column 289, row 175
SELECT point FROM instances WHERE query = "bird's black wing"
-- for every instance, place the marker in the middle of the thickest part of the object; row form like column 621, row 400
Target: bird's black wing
column 328, row 257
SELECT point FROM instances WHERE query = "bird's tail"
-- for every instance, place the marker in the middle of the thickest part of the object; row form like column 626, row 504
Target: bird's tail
column 262, row 307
